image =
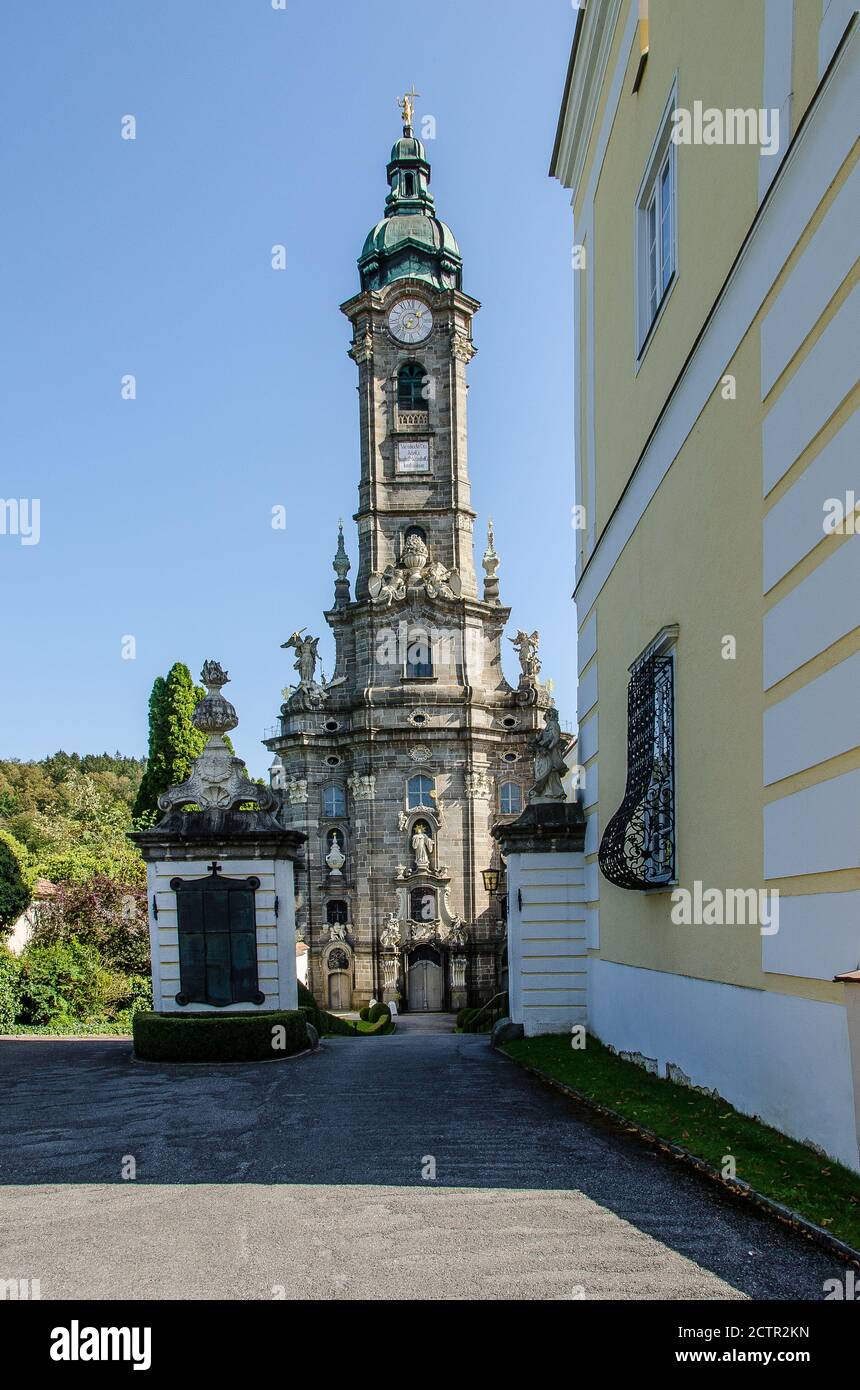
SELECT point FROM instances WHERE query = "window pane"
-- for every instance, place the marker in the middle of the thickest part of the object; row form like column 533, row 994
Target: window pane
column 666, row 224
column 419, row 657
column 651, row 255
column 334, row 801
column 419, row 792
column 511, row 799
column 410, row 387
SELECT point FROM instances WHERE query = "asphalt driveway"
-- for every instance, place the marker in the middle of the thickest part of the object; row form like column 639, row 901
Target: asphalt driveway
column 421, row 1165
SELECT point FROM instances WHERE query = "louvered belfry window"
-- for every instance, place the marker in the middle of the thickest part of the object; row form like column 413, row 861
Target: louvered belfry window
column 217, row 940
column 638, row 845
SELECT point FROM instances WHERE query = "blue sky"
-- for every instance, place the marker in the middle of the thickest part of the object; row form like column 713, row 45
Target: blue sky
column 153, row 257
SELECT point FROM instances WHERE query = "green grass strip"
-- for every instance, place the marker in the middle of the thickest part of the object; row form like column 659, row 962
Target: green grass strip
column 780, row 1168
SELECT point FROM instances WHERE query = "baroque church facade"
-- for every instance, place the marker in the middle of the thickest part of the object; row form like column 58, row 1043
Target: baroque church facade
column 398, row 767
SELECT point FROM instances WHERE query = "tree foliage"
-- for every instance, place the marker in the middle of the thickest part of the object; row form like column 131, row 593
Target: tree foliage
column 16, row 879
column 62, row 982
column 174, row 742
column 100, row 912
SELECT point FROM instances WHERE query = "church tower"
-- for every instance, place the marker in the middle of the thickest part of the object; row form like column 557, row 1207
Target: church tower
column 398, row 767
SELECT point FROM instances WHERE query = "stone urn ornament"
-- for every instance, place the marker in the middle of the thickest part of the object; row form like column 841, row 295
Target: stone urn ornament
column 335, row 857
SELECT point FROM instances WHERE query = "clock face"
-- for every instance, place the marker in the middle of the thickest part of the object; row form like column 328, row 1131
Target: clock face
column 410, row 321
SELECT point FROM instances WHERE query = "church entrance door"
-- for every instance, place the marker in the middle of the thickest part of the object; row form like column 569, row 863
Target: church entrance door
column 338, row 992
column 425, row 984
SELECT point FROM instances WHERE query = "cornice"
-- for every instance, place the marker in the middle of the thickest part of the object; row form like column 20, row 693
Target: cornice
column 582, row 94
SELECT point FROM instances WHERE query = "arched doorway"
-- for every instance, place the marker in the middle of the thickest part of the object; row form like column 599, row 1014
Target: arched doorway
column 425, row 985
column 339, row 979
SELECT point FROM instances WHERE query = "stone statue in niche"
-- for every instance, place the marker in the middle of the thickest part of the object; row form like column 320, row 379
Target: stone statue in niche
column 550, row 746
column 335, row 857
column 422, row 845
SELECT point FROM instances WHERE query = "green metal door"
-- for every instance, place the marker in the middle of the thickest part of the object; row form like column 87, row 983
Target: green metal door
column 217, row 940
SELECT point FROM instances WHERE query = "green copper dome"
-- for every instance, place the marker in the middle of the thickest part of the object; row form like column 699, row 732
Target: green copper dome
column 410, row 240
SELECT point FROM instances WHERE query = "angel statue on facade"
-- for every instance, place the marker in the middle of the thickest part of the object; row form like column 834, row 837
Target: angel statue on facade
column 527, row 651
column 550, row 746
column 306, row 655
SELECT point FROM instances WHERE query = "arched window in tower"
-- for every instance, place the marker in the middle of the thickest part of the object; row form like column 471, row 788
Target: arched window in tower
column 334, row 801
column 410, row 185
column 411, row 389
column 510, row 799
column 420, row 791
column 419, row 654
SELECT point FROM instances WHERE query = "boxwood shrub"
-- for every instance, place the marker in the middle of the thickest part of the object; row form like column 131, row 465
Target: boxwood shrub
column 382, row 1025
column 217, row 1037
column 327, row 1024
column 330, row 1025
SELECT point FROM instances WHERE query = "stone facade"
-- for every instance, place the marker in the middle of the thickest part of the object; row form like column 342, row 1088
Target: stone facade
column 418, row 745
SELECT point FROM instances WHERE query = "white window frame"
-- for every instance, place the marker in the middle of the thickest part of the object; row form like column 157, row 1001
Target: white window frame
column 421, row 805
column 509, row 783
column 337, row 788
column 656, row 256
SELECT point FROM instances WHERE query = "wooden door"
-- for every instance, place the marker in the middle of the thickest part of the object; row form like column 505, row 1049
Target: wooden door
column 425, row 987
column 338, row 992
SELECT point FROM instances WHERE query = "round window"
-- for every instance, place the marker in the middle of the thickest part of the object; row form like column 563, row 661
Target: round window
column 333, row 761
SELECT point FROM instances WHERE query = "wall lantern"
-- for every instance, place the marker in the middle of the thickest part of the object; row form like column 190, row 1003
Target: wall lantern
column 491, row 879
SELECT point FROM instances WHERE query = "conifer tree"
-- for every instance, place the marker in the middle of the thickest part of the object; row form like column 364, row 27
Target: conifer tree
column 174, row 742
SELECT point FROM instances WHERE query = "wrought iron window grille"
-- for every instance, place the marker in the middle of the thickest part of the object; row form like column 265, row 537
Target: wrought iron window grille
column 638, row 846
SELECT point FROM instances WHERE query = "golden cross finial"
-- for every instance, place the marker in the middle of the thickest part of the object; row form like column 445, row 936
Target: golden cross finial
column 407, row 105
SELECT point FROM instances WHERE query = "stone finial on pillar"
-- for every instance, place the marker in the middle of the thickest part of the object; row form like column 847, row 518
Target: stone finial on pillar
column 491, row 563
column 218, row 779
column 341, row 566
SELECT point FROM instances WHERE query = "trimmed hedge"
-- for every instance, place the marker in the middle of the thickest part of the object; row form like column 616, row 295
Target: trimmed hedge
column 381, row 1026
column 464, row 1015
column 218, row 1037
column 327, row 1024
